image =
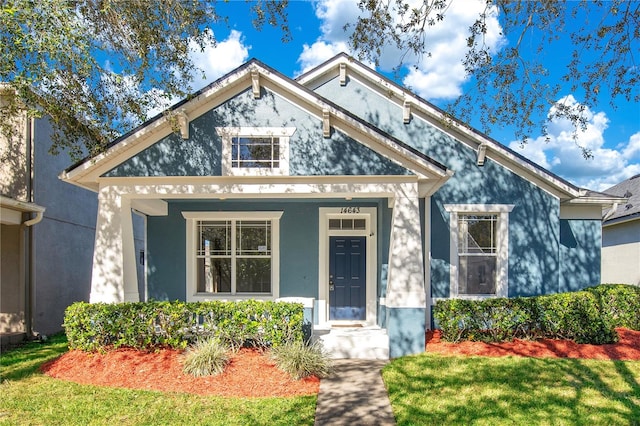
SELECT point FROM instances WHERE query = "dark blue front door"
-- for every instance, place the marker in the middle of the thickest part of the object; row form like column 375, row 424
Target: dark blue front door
column 347, row 278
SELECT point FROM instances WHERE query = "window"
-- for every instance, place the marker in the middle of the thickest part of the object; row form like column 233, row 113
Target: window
column 479, row 250
column 477, row 254
column 255, row 151
column 232, row 253
column 258, row 152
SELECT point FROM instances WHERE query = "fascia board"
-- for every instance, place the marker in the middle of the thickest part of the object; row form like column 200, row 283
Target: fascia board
column 597, row 200
column 538, row 176
column 87, row 173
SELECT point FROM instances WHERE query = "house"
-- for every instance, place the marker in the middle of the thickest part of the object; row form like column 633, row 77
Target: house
column 340, row 187
column 47, row 233
column 621, row 235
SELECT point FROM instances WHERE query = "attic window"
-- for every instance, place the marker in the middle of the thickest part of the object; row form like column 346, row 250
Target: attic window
column 255, row 151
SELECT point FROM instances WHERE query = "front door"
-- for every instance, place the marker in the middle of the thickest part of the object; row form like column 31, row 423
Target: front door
column 347, row 278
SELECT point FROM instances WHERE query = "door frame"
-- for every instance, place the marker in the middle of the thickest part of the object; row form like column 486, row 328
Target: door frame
column 370, row 232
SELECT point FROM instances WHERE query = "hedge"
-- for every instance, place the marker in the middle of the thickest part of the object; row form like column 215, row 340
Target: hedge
column 587, row 316
column 149, row 325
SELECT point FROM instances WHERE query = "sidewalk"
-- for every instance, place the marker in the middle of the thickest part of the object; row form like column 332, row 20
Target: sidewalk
column 354, row 395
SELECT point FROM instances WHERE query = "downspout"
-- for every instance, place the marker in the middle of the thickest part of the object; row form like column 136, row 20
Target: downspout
column 30, row 264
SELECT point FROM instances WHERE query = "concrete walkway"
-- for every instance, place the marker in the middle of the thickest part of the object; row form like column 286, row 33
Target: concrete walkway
column 354, row 395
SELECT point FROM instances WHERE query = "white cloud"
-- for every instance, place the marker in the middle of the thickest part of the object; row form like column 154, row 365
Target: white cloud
column 214, row 61
column 560, row 153
column 218, row 60
column 319, row 52
column 437, row 76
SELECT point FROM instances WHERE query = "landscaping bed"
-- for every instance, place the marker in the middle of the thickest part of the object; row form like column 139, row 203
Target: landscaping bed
column 251, row 373
column 627, row 347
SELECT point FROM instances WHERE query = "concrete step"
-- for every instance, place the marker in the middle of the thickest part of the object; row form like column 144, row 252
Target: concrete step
column 354, row 343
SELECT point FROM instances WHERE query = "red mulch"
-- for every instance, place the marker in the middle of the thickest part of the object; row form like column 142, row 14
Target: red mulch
column 627, row 348
column 252, row 374
column 249, row 374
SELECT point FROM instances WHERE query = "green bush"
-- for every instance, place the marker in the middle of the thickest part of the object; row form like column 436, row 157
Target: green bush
column 300, row 359
column 206, row 357
column 587, row 316
column 619, row 304
column 148, row 325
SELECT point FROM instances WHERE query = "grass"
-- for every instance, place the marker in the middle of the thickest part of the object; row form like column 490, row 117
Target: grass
column 31, row 398
column 434, row 389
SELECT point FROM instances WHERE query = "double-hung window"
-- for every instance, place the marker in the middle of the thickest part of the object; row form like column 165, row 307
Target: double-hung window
column 255, row 151
column 477, row 254
column 479, row 250
column 232, row 254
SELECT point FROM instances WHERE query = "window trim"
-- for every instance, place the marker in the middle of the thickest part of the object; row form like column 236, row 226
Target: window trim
column 502, row 246
column 228, row 133
column 192, row 219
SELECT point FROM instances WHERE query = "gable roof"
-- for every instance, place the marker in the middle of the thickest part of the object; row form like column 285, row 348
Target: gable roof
column 628, row 209
column 86, row 172
column 462, row 132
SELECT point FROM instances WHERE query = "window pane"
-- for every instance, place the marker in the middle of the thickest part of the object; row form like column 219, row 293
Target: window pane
column 477, row 234
column 253, row 275
column 334, row 223
column 256, row 152
column 359, row 224
column 214, row 275
column 253, row 238
column 477, row 275
column 215, row 238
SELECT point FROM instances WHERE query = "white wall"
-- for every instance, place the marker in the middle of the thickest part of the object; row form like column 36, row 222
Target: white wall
column 621, row 253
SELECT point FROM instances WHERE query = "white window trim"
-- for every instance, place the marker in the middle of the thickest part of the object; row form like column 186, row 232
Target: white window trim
column 227, row 133
column 192, row 219
column 502, row 246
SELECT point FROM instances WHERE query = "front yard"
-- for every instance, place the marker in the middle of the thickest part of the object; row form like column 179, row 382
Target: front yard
column 29, row 397
column 437, row 389
column 424, row 389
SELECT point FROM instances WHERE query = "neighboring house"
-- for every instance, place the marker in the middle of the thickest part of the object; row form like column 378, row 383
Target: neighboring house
column 47, row 233
column 338, row 186
column 621, row 235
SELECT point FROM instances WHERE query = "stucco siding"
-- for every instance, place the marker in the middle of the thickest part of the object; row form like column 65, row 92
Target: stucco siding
column 12, row 291
column 579, row 253
column 534, row 224
column 621, row 253
column 310, row 153
column 166, row 267
column 63, row 241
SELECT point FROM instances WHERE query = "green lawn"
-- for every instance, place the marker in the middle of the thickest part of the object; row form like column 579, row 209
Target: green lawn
column 434, row 389
column 30, row 398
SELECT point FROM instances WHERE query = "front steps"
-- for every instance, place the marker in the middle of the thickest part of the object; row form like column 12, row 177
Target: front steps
column 353, row 342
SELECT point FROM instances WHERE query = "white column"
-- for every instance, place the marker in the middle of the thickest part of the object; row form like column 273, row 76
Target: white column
column 113, row 276
column 405, row 285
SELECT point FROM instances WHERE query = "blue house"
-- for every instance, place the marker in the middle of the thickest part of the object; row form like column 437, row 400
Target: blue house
column 341, row 188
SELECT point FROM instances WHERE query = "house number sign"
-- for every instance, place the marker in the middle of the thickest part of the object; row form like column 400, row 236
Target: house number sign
column 350, row 210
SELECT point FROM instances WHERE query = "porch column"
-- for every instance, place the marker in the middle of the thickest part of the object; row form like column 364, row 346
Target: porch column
column 406, row 299
column 114, row 277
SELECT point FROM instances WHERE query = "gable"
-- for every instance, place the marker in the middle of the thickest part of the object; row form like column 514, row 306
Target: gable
column 255, row 95
column 310, row 154
column 395, row 110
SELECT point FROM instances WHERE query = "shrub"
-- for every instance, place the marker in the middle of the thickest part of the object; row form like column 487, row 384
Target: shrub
column 148, row 325
column 588, row 316
column 206, row 357
column 619, row 304
column 300, row 359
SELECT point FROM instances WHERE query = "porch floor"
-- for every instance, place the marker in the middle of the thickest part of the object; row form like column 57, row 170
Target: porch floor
column 370, row 342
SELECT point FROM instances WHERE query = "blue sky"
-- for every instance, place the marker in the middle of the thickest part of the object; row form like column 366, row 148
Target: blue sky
column 613, row 135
